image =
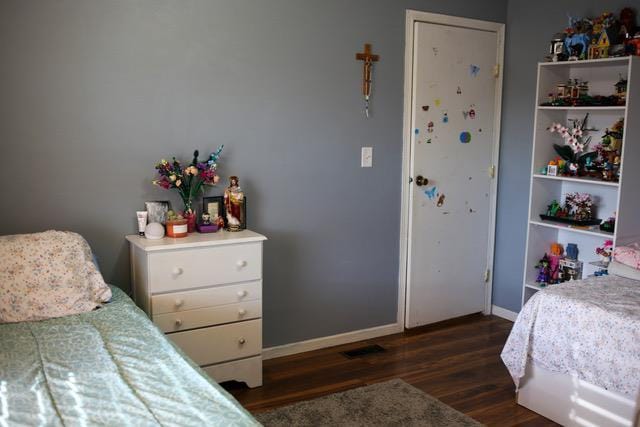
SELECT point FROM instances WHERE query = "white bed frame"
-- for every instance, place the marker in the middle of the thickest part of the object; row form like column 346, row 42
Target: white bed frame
column 571, row 401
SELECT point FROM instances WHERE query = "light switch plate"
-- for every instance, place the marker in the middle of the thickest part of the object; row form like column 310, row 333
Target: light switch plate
column 366, row 159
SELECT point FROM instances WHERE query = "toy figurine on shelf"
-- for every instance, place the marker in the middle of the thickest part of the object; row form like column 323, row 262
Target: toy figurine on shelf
column 572, row 251
column 621, row 90
column 577, row 39
column 628, row 30
column 544, row 272
column 605, row 251
column 554, row 262
column 609, row 151
column 556, row 49
column 609, row 225
column 605, row 34
column 577, row 211
column 575, row 93
column 571, row 269
column 205, row 225
column 554, row 209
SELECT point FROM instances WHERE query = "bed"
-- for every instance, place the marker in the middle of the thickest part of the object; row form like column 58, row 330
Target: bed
column 110, row 366
column 574, row 352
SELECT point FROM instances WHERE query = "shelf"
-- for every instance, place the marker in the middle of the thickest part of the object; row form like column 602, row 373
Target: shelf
column 580, row 180
column 557, row 226
column 535, row 286
column 621, row 60
column 600, row 264
column 583, row 108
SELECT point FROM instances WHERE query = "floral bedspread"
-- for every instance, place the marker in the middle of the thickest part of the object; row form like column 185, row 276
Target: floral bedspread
column 588, row 328
column 109, row 367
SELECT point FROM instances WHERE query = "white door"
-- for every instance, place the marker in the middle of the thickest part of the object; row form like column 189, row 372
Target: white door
column 453, row 115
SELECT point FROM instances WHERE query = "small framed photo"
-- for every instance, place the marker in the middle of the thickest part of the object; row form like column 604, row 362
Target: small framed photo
column 552, row 170
column 214, row 206
column 157, row 211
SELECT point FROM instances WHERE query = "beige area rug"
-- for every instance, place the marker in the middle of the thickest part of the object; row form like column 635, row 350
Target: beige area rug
column 391, row 403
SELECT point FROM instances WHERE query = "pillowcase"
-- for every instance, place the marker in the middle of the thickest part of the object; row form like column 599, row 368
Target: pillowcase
column 49, row 274
column 619, row 269
column 628, row 255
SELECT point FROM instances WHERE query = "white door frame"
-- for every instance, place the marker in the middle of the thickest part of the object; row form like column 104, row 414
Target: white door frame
column 413, row 16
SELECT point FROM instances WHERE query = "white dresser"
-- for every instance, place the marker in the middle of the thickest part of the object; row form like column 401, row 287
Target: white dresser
column 205, row 292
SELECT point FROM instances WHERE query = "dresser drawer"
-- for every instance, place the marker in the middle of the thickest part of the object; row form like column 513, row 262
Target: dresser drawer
column 201, row 298
column 208, row 316
column 197, row 267
column 221, row 343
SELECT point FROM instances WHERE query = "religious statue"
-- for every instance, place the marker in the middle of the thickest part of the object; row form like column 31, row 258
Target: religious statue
column 234, row 205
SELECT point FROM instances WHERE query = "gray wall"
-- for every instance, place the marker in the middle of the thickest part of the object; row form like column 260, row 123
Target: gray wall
column 530, row 26
column 95, row 92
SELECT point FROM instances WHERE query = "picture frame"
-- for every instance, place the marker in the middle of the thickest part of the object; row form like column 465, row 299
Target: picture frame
column 214, row 206
column 157, row 210
column 552, row 170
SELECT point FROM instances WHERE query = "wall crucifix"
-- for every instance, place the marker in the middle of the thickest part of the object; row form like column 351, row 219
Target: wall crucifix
column 368, row 59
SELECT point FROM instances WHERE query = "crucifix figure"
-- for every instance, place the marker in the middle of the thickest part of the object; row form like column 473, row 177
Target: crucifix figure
column 368, row 59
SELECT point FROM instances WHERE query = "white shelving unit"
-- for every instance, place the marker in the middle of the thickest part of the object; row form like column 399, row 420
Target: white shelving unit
column 621, row 197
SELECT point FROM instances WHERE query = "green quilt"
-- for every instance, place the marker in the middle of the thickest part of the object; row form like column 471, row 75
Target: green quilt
column 111, row 366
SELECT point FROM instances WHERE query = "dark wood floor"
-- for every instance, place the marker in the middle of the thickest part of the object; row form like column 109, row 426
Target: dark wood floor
column 457, row 362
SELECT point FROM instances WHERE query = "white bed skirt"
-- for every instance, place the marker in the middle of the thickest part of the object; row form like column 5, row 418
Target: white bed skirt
column 571, row 401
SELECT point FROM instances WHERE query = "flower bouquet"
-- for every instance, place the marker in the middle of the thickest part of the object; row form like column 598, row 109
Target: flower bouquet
column 189, row 181
column 576, row 143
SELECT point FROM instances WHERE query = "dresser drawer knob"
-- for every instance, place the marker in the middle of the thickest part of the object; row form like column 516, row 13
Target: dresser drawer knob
column 178, row 323
column 241, row 341
column 242, row 293
column 177, row 271
column 179, row 303
column 241, row 263
column 242, row 312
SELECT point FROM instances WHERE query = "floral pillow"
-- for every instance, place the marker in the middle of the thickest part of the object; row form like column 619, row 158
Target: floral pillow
column 49, row 274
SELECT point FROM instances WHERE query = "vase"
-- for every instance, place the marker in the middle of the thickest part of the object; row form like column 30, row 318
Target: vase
column 191, row 221
column 189, row 215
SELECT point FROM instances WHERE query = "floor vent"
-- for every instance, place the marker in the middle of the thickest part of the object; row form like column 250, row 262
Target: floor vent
column 363, row 351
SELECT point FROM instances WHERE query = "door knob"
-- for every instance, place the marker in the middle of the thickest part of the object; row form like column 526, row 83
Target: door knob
column 420, row 181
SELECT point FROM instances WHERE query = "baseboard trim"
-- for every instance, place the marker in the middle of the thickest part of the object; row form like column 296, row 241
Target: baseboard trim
column 504, row 313
column 330, row 341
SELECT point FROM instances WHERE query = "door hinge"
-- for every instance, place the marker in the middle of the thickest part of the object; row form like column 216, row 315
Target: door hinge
column 496, row 71
column 492, row 171
column 487, row 275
